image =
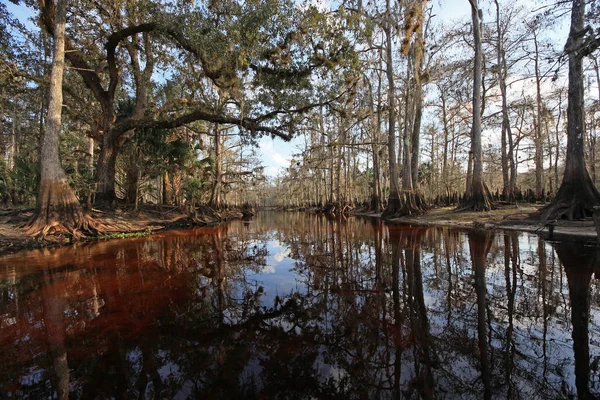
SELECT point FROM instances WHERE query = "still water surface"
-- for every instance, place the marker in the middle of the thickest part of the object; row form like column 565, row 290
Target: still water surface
column 294, row 305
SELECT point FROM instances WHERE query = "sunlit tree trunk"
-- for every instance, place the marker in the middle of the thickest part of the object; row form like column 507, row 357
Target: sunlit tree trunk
column 539, row 141
column 394, row 196
column 478, row 199
column 577, row 194
column 215, row 196
column 506, row 136
column 57, row 208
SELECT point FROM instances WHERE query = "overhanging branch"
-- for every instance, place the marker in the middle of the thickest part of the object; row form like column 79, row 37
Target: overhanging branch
column 251, row 124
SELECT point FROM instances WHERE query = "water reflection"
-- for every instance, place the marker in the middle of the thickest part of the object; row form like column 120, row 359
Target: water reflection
column 300, row 306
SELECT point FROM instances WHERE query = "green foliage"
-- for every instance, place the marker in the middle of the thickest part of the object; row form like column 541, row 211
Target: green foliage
column 82, row 182
column 5, row 182
column 160, row 150
column 194, row 187
column 21, row 183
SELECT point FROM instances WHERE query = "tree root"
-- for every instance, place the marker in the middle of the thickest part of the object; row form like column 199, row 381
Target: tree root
column 74, row 227
column 410, row 204
column 58, row 213
column 574, row 200
column 478, row 202
column 393, row 207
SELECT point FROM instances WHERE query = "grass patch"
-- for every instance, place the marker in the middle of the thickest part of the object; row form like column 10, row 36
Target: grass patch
column 123, row 235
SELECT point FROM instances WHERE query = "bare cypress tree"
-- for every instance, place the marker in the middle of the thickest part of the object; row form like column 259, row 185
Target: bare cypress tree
column 393, row 205
column 477, row 198
column 577, row 194
column 508, row 160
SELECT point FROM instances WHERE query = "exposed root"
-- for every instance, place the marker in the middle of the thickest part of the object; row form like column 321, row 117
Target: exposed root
column 375, row 204
column 573, row 201
column 248, row 211
column 393, row 207
column 413, row 204
column 76, row 227
column 335, row 209
column 58, row 213
column 478, row 202
column 410, row 204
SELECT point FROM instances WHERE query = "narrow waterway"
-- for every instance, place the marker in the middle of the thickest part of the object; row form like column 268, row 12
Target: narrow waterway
column 295, row 305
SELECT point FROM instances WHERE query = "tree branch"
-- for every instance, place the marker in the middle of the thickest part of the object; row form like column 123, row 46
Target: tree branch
column 251, row 124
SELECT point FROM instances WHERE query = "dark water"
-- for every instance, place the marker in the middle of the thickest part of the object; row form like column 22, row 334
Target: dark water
column 297, row 306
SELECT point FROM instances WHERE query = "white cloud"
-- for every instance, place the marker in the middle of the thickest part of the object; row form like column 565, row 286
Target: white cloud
column 280, row 160
column 281, row 255
column 268, row 269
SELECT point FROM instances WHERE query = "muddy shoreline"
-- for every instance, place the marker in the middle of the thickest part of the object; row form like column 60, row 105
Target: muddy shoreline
column 520, row 218
column 128, row 222
column 123, row 222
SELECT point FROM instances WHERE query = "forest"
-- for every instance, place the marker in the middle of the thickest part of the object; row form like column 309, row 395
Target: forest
column 393, row 107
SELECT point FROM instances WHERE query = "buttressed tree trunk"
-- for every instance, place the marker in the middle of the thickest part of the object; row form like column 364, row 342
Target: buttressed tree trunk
column 477, row 199
column 577, row 195
column 57, row 208
column 412, row 201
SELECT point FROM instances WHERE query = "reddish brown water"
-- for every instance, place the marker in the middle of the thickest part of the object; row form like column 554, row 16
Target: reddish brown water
column 293, row 305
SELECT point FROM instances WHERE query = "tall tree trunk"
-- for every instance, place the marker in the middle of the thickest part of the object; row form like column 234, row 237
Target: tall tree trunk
column 577, row 194
column 177, row 186
column 90, row 159
column 57, row 208
column 12, row 145
column 416, row 127
column 376, row 188
column 557, row 139
column 507, row 188
column 215, row 196
column 446, row 137
column 132, row 173
column 107, row 162
column 539, row 142
column 413, row 203
column 478, row 199
column 167, row 189
column 469, row 177
column 394, row 196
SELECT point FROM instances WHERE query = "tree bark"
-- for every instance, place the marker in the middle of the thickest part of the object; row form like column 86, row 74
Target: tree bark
column 106, row 168
column 375, row 126
column 507, row 188
column 539, row 150
column 394, row 196
column 57, row 208
column 478, row 199
column 577, row 194
column 215, row 196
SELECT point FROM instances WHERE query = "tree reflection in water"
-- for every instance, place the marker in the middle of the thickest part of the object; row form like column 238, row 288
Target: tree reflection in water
column 302, row 306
